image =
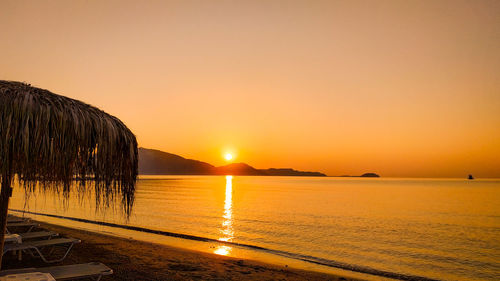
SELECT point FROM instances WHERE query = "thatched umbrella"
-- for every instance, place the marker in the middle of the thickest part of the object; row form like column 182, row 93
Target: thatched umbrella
column 56, row 144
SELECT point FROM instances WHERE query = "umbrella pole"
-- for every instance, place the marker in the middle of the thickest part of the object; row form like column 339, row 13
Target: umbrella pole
column 5, row 194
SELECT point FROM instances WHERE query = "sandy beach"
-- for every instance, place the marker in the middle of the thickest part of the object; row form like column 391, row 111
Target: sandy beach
column 137, row 260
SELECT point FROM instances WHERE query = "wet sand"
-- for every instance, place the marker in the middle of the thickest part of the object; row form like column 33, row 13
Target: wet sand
column 137, row 260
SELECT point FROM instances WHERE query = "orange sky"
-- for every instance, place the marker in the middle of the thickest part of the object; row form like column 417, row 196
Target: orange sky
column 401, row 88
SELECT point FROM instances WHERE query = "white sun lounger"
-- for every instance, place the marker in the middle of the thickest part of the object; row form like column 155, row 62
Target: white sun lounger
column 29, row 225
column 35, row 247
column 19, row 238
column 93, row 270
column 16, row 219
column 38, row 234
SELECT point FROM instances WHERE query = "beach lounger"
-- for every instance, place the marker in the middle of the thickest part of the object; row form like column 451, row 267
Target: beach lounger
column 35, row 247
column 9, row 216
column 12, row 238
column 93, row 270
column 28, row 225
column 16, row 219
column 19, row 238
column 38, row 234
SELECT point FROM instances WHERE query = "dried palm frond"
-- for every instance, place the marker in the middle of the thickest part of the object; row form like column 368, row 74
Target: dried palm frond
column 50, row 142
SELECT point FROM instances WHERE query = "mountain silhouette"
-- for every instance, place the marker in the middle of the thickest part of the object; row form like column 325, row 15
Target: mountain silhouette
column 239, row 169
column 157, row 162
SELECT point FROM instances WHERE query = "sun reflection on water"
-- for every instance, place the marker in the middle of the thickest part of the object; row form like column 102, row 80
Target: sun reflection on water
column 227, row 233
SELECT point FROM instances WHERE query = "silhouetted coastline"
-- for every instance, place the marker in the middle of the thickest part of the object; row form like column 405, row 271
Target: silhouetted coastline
column 156, row 162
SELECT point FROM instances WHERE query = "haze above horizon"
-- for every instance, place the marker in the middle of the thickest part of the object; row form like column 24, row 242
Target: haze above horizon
column 400, row 88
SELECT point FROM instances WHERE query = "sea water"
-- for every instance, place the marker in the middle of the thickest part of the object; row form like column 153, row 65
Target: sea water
column 444, row 229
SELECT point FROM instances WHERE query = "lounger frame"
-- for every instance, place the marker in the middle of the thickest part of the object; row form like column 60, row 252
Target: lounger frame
column 93, row 271
column 36, row 250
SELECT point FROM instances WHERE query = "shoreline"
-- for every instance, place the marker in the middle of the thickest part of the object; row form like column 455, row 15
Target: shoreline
column 139, row 260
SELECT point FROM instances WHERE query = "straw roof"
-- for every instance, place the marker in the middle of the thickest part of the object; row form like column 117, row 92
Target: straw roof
column 51, row 141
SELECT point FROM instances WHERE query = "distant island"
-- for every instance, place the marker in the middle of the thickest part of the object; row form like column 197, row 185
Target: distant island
column 156, row 162
column 365, row 175
column 370, row 175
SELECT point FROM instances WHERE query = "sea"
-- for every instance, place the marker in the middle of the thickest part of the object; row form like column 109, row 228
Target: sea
column 370, row 228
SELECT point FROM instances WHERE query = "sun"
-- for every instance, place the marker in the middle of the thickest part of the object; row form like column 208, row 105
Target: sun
column 228, row 156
